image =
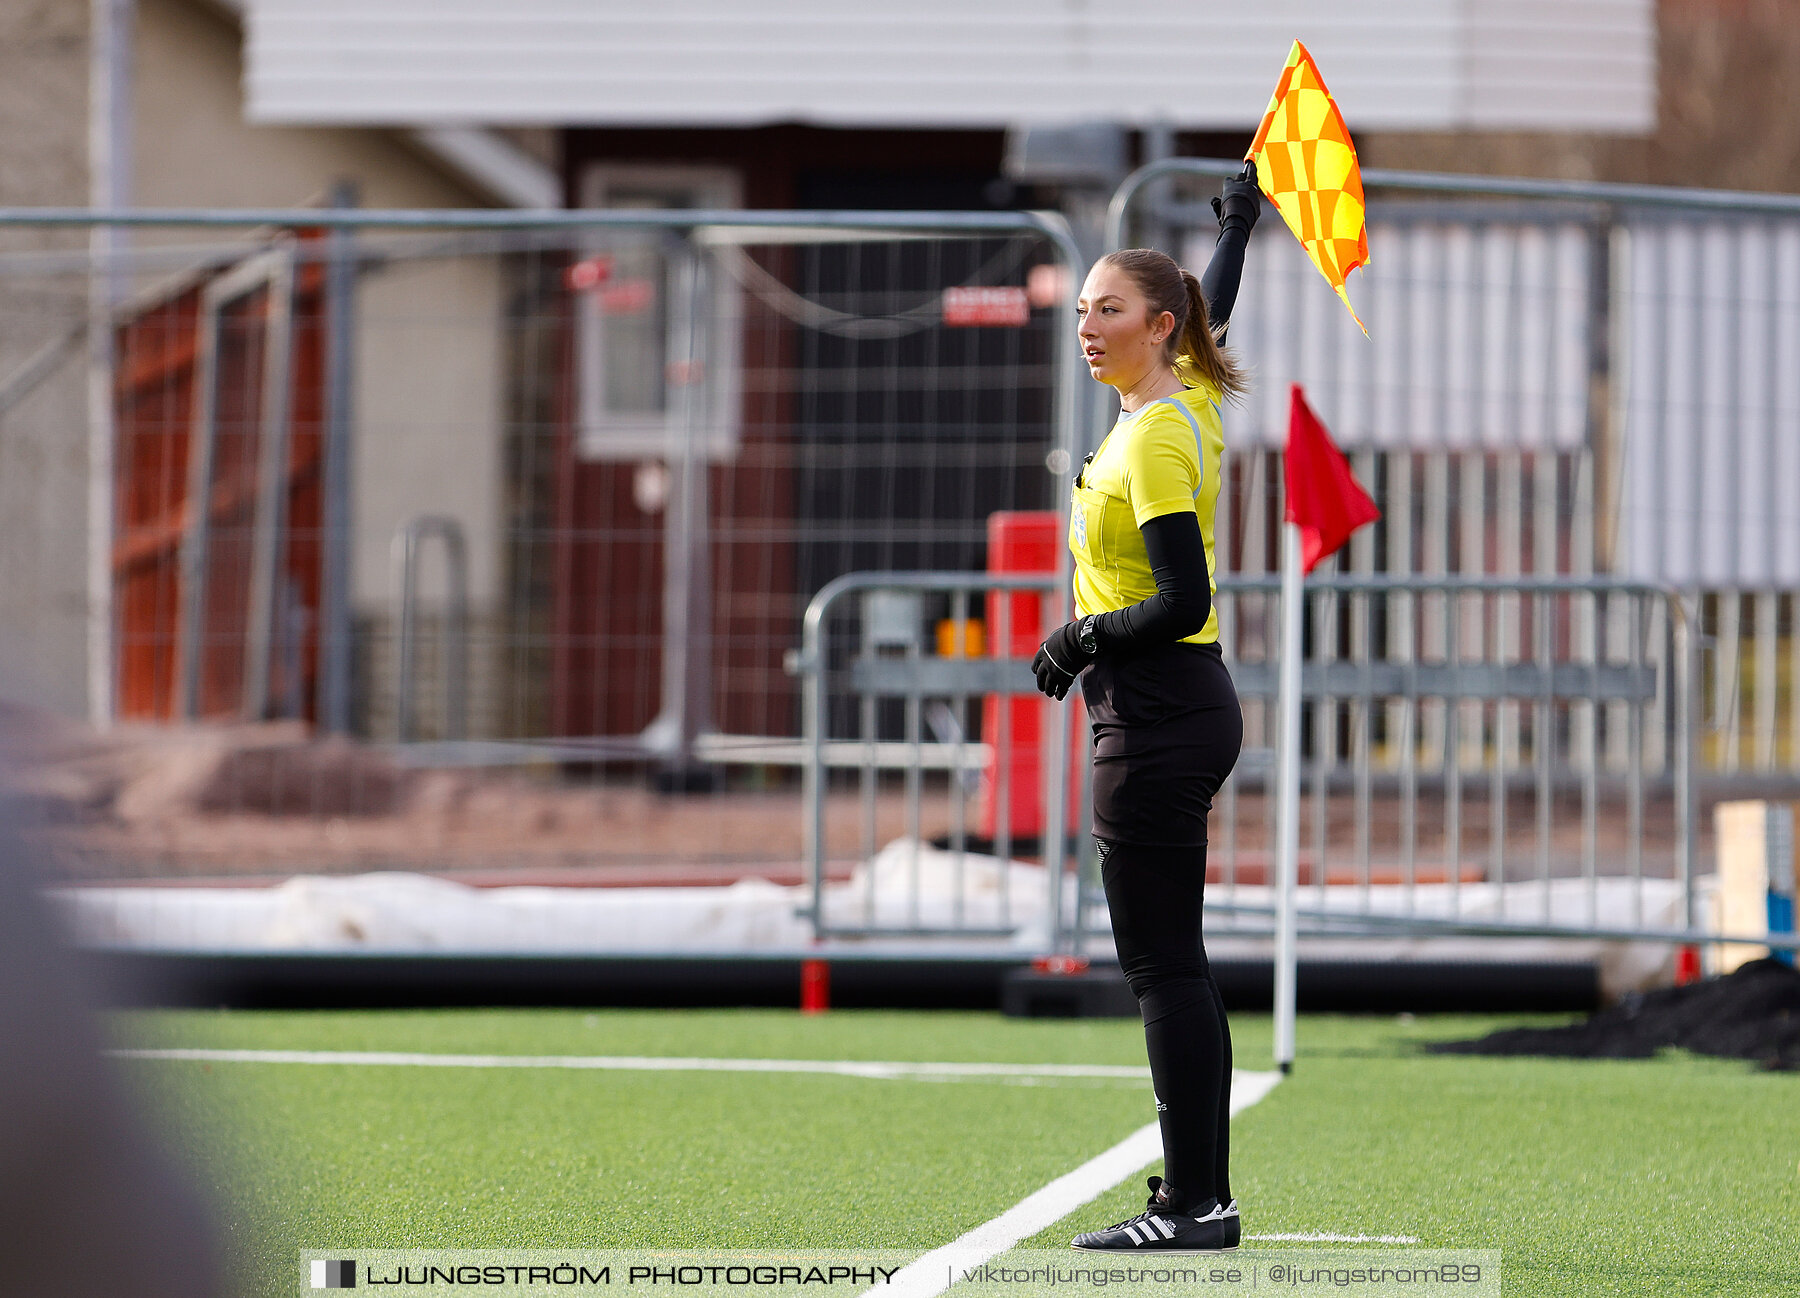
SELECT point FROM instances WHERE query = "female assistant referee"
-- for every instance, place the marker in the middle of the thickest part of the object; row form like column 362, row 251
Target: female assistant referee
column 1167, row 728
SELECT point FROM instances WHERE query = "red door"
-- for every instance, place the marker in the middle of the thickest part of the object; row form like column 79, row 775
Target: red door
column 198, row 372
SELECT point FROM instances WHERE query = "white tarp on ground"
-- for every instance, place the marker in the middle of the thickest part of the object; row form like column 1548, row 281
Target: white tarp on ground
column 907, row 884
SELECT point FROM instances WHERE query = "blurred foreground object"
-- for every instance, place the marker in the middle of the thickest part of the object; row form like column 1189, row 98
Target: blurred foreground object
column 87, row 1206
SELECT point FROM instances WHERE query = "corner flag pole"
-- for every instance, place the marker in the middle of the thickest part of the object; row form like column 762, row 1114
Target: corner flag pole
column 1324, row 505
column 1287, row 796
column 1307, row 167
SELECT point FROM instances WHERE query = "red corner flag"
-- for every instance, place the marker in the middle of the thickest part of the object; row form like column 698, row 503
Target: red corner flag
column 1322, row 495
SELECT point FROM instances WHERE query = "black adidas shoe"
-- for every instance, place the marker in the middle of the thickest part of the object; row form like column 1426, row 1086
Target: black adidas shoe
column 1160, row 1228
column 1234, row 1226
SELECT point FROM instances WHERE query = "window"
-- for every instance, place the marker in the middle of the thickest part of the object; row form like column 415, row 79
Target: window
column 658, row 325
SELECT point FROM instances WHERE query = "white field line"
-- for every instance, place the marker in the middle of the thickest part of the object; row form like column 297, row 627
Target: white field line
column 1055, row 1201
column 934, row 1272
column 1320, row 1237
column 876, row 1069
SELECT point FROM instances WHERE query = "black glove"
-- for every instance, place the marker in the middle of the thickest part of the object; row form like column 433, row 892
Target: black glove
column 1241, row 201
column 1061, row 658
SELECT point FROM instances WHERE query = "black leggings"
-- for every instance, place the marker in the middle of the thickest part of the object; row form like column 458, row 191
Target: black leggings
column 1154, row 894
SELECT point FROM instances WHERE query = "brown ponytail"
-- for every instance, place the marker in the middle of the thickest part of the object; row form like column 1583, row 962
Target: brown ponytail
column 1167, row 287
column 1201, row 345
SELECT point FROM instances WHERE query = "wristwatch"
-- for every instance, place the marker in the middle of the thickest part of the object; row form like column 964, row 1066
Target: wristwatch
column 1084, row 636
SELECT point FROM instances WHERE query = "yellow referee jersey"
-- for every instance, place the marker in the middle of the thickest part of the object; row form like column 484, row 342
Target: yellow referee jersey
column 1161, row 459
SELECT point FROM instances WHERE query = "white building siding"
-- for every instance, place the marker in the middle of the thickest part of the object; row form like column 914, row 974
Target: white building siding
column 1397, row 64
column 1543, row 65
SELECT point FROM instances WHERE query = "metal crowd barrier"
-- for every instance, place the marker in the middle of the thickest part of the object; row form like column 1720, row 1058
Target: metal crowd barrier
column 1415, row 829
column 884, row 659
column 1410, row 828
column 657, row 432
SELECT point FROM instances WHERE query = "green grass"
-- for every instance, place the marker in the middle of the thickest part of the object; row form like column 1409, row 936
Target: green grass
column 1670, row 1176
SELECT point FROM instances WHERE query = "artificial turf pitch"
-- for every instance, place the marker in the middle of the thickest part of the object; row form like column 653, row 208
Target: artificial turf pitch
column 1673, row 1176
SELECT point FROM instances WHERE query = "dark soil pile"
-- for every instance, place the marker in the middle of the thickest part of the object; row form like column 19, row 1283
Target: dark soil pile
column 1751, row 1013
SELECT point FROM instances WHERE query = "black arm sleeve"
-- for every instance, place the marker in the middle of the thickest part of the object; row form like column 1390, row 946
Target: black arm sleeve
column 1183, row 599
column 1224, row 272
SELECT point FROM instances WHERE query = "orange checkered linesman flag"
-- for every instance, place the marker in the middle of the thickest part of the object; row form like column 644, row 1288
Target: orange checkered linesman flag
column 1307, row 166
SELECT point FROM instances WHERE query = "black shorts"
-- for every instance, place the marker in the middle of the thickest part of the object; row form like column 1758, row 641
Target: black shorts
column 1167, row 730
